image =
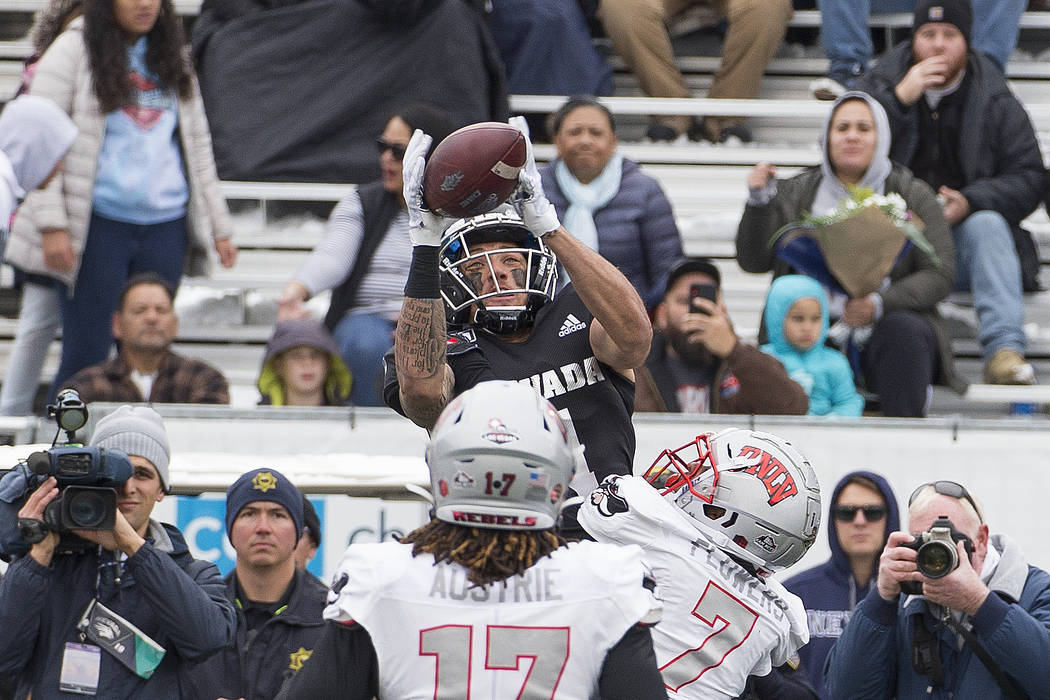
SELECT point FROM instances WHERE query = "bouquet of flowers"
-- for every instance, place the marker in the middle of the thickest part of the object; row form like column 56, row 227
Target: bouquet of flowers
column 854, row 248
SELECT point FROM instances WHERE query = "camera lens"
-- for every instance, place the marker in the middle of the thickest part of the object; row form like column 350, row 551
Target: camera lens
column 936, row 559
column 87, row 509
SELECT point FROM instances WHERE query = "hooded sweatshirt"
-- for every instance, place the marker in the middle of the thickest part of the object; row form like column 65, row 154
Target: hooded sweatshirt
column 311, row 333
column 823, row 372
column 829, row 591
column 34, row 137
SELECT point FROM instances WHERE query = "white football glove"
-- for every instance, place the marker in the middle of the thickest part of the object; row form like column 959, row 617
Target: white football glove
column 536, row 210
column 424, row 226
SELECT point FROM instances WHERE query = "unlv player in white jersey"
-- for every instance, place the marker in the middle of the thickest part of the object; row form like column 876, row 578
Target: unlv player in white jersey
column 715, row 518
column 486, row 601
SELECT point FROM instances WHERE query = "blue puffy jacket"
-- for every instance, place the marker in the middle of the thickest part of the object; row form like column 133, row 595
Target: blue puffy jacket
column 636, row 229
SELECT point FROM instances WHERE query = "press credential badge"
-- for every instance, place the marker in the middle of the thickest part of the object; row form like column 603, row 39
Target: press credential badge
column 80, row 664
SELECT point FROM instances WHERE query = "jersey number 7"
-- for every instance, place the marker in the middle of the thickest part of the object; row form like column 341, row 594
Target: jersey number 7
column 546, row 647
column 727, row 621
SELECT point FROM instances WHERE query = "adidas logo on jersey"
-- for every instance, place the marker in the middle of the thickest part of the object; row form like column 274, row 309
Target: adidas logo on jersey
column 571, row 324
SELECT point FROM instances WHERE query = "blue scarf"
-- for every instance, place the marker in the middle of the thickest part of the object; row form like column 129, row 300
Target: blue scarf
column 584, row 200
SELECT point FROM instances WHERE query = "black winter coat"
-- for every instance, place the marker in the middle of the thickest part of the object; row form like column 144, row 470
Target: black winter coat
column 257, row 663
column 1000, row 155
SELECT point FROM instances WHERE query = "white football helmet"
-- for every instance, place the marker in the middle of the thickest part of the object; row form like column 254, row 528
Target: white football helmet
column 500, row 457
column 462, row 270
column 752, row 493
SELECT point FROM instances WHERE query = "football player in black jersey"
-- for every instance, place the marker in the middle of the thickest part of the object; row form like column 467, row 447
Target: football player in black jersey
column 493, row 277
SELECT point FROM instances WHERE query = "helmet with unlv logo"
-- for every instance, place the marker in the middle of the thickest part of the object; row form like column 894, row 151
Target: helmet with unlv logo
column 751, row 493
column 500, row 457
column 465, row 270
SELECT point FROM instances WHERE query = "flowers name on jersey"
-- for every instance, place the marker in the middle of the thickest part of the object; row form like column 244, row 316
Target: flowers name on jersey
column 149, row 100
column 720, row 622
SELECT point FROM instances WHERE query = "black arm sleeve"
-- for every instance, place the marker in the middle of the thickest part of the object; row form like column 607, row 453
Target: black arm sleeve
column 630, row 671
column 343, row 666
column 783, row 683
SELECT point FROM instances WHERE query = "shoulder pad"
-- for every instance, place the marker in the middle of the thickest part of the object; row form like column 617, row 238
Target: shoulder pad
column 461, row 342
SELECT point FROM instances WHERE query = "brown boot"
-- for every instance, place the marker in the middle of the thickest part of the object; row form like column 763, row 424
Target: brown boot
column 1008, row 366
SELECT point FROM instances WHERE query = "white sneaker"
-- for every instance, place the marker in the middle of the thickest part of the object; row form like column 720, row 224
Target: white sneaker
column 827, row 89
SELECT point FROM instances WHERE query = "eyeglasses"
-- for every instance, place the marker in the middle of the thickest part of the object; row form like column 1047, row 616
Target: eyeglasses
column 846, row 514
column 951, row 489
column 396, row 149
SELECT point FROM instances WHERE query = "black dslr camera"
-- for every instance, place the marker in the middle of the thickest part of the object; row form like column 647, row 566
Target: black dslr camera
column 88, row 479
column 935, row 552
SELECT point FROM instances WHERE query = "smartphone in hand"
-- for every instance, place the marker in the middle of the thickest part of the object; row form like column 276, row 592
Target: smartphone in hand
column 701, row 291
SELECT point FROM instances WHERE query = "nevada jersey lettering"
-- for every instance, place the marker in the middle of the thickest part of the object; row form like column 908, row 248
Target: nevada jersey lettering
column 558, row 362
column 720, row 623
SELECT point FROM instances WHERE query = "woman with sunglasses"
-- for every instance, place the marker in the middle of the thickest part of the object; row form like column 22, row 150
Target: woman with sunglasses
column 862, row 514
column 364, row 258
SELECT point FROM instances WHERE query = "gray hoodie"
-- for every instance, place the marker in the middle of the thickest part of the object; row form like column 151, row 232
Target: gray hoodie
column 34, row 137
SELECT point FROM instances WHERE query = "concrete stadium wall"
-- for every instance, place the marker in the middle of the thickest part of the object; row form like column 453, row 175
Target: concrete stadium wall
column 329, row 454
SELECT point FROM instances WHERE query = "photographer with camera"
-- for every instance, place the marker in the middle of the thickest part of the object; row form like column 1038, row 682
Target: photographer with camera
column 698, row 365
column 118, row 612
column 973, row 620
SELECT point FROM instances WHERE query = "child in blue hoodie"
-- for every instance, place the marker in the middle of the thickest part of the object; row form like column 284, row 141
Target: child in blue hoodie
column 797, row 322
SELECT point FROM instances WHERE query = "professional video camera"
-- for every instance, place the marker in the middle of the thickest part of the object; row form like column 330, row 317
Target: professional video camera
column 935, row 552
column 88, row 479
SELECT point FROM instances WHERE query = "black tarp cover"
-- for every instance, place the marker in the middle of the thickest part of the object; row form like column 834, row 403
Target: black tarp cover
column 300, row 93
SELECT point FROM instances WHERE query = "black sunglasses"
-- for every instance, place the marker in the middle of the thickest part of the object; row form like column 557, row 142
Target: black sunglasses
column 951, row 489
column 846, row 514
column 396, row 149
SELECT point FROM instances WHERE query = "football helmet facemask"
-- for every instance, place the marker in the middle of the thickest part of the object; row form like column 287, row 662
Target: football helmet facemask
column 512, row 302
column 752, row 493
column 500, row 457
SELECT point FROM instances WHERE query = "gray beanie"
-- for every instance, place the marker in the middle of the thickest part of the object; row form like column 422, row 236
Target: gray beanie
column 138, row 431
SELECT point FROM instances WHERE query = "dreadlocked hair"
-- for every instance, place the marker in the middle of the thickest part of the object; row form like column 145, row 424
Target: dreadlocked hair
column 488, row 555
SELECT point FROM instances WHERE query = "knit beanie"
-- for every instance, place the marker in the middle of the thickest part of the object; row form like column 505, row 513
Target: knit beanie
column 138, row 431
column 311, row 521
column 264, row 485
column 957, row 12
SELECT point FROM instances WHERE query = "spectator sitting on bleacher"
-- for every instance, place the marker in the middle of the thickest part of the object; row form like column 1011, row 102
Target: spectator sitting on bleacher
column 847, row 41
column 547, row 49
column 607, row 201
column 908, row 348
column 698, row 365
column 146, row 369
column 364, row 258
column 957, row 125
column 796, row 319
column 139, row 192
column 638, row 30
column 39, row 315
column 303, row 367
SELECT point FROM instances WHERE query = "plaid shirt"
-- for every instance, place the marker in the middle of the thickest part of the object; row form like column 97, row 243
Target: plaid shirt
column 179, row 380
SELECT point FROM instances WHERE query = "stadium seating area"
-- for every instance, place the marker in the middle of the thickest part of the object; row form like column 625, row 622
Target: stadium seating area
column 227, row 319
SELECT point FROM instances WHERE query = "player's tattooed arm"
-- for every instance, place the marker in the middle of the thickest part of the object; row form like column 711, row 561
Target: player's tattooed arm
column 425, row 380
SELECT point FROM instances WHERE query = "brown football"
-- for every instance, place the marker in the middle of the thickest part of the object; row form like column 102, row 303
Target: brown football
column 473, row 170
